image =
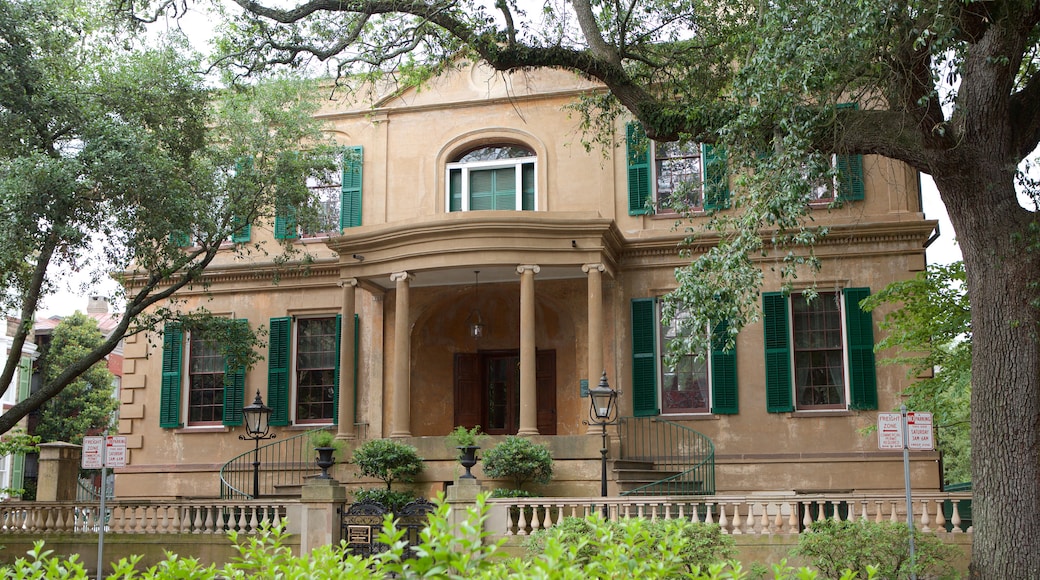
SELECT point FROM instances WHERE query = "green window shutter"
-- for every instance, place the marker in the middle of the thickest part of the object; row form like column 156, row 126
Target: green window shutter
column 285, row 223
column 850, row 171
column 455, row 190
column 716, row 179
column 527, row 183
column 859, row 332
column 335, row 374
column 242, row 230
column 723, row 373
column 170, row 388
column 18, row 471
column 637, row 147
column 350, row 200
column 180, row 239
column 644, row 357
column 24, row 379
column 278, row 370
column 357, row 352
column 234, row 388
column 778, row 353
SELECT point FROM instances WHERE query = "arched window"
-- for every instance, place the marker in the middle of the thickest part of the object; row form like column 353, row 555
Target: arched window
column 495, row 177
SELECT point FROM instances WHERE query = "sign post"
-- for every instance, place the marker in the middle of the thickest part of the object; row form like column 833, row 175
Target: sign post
column 906, row 430
column 101, row 453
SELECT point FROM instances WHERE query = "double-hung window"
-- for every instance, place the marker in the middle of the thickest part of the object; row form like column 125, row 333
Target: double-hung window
column 334, row 202
column 707, row 385
column 303, row 369
column 497, row 177
column 198, row 387
column 819, row 353
column 669, row 176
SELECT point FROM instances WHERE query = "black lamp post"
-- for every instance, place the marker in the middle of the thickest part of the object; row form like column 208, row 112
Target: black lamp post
column 603, row 412
column 257, row 417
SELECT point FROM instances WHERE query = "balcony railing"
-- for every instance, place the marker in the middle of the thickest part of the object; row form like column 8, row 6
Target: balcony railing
column 752, row 514
column 683, row 459
column 139, row 517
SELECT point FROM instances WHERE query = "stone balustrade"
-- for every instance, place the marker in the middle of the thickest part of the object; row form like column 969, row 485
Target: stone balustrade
column 139, row 517
column 752, row 514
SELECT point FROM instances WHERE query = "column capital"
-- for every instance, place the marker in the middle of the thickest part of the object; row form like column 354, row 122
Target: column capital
column 533, row 268
column 598, row 266
column 344, row 282
column 401, row 277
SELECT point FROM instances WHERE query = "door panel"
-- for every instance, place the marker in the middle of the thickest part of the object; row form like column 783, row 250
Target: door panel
column 487, row 391
column 469, row 400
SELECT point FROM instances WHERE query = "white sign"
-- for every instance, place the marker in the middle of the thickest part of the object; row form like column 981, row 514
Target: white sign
column 918, row 426
column 890, row 431
column 92, row 450
column 115, row 454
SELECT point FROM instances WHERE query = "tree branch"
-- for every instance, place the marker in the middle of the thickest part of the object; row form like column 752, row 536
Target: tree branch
column 1024, row 110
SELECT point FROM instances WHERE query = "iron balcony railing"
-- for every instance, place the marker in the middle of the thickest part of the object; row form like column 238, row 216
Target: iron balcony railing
column 676, row 459
column 283, row 465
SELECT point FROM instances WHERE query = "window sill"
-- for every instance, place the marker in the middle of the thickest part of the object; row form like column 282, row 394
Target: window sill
column 822, row 413
column 671, row 215
column 202, row 429
column 308, row 426
column 690, row 417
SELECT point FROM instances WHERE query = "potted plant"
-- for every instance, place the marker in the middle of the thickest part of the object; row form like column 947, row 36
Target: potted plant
column 326, row 445
column 466, row 441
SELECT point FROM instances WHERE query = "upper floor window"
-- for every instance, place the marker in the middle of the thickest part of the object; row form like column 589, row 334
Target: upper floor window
column 334, row 202
column 497, row 177
column 819, row 353
column 683, row 175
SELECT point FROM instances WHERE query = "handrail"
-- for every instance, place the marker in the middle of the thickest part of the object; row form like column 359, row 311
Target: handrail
column 688, row 456
column 282, row 463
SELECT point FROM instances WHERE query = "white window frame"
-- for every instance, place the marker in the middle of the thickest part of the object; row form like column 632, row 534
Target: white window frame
column 467, row 166
column 662, row 350
column 186, row 388
column 333, row 182
column 846, row 393
column 294, row 374
column 659, row 203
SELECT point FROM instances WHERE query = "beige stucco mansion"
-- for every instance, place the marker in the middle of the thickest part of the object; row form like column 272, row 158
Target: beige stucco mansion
column 473, row 201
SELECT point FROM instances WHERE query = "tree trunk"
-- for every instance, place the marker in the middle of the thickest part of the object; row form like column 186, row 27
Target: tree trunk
column 999, row 243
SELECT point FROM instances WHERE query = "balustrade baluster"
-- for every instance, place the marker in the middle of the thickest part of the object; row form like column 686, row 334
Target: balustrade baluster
column 940, row 517
column 925, row 520
column 653, row 512
column 48, row 523
column 254, row 521
column 548, row 523
column 893, row 518
column 778, row 522
column 197, row 526
column 707, row 513
column 765, row 517
column 820, row 505
column 723, row 520
column 243, row 517
column 536, row 522
column 863, row 511
column 521, row 522
column 792, row 518
column 682, row 516
column 736, row 520
column 837, row 509
column 142, row 522
column 807, row 518
column 150, row 517
column 956, row 519
column 212, row 526
column 668, row 511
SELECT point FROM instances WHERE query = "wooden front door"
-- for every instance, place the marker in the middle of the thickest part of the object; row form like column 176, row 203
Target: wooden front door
column 487, row 391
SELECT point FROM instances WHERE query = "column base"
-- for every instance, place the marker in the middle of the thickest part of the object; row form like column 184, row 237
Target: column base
column 527, row 432
column 400, row 434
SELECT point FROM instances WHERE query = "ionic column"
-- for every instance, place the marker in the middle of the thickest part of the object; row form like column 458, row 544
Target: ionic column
column 528, row 385
column 595, row 298
column 347, row 371
column 400, row 412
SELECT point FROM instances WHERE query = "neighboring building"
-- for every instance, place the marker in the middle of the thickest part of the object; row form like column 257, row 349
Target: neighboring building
column 12, row 467
column 474, row 201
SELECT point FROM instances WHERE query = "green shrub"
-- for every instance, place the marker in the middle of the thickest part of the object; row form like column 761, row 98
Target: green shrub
column 699, row 545
column 391, row 500
column 834, row 546
column 388, row 461
column 520, row 460
column 512, row 493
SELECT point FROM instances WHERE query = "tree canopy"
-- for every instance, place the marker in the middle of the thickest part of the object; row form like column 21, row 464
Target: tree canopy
column 86, row 406
column 950, row 88
column 119, row 158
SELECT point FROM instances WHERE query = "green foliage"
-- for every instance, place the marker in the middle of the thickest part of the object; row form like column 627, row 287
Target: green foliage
column 702, row 545
column 930, row 328
column 463, row 437
column 391, row 500
column 520, row 460
column 388, row 460
column 504, row 492
column 834, row 546
column 323, row 438
column 87, row 405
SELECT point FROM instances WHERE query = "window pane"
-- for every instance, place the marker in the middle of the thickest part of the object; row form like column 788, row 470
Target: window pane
column 496, row 152
column 316, row 354
column 684, row 386
column 679, row 174
column 527, row 179
column 818, row 351
column 321, row 216
column 205, row 381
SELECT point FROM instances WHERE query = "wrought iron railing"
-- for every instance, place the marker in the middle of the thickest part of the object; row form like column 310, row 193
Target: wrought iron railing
column 283, row 464
column 683, row 459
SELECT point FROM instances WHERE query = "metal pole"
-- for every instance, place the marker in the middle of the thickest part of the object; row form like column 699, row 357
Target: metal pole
column 101, row 508
column 603, row 474
column 909, row 499
column 256, row 470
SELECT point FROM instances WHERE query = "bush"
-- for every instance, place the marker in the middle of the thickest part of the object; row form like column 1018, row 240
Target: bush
column 520, row 460
column 391, row 500
column 699, row 545
column 388, row 461
column 834, row 546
